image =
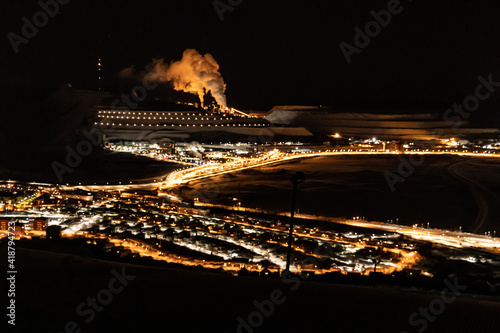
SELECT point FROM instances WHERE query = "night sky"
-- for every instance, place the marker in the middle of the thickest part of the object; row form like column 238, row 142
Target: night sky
column 270, row 53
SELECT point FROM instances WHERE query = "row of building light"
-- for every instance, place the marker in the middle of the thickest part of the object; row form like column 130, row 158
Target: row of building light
column 187, row 125
column 159, row 113
column 171, row 118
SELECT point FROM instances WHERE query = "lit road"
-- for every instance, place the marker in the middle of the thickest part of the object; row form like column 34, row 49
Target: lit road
column 211, row 170
column 483, row 196
column 449, row 238
column 188, row 174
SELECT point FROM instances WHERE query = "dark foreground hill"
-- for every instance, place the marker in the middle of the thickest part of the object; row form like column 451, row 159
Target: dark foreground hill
column 55, row 289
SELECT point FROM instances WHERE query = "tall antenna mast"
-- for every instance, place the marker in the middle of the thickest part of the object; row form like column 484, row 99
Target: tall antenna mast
column 99, row 77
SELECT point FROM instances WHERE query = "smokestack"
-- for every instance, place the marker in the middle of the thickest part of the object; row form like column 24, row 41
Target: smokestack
column 194, row 73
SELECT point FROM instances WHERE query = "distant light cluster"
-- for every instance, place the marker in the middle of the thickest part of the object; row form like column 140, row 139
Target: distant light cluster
column 187, row 125
column 174, row 116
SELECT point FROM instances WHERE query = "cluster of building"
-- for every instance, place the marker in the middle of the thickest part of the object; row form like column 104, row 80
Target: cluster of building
column 135, row 224
column 230, row 238
column 288, row 122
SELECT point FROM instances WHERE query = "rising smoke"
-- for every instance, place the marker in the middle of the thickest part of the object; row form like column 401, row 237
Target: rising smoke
column 194, row 73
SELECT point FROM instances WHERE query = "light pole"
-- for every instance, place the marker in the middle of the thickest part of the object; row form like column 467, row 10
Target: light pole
column 297, row 178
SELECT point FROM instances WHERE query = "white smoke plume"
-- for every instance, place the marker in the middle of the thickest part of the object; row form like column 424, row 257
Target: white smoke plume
column 194, row 73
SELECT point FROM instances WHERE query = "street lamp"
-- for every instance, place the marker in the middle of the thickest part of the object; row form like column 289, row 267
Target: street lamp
column 297, row 178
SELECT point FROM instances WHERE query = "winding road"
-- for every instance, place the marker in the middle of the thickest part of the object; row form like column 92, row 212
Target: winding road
column 483, row 196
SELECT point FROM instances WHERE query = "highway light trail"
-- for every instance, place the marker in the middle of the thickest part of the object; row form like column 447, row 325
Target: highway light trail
column 449, row 238
column 188, row 174
column 439, row 236
column 211, row 170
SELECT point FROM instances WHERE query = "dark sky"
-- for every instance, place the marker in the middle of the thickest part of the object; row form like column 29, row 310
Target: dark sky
column 270, row 52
